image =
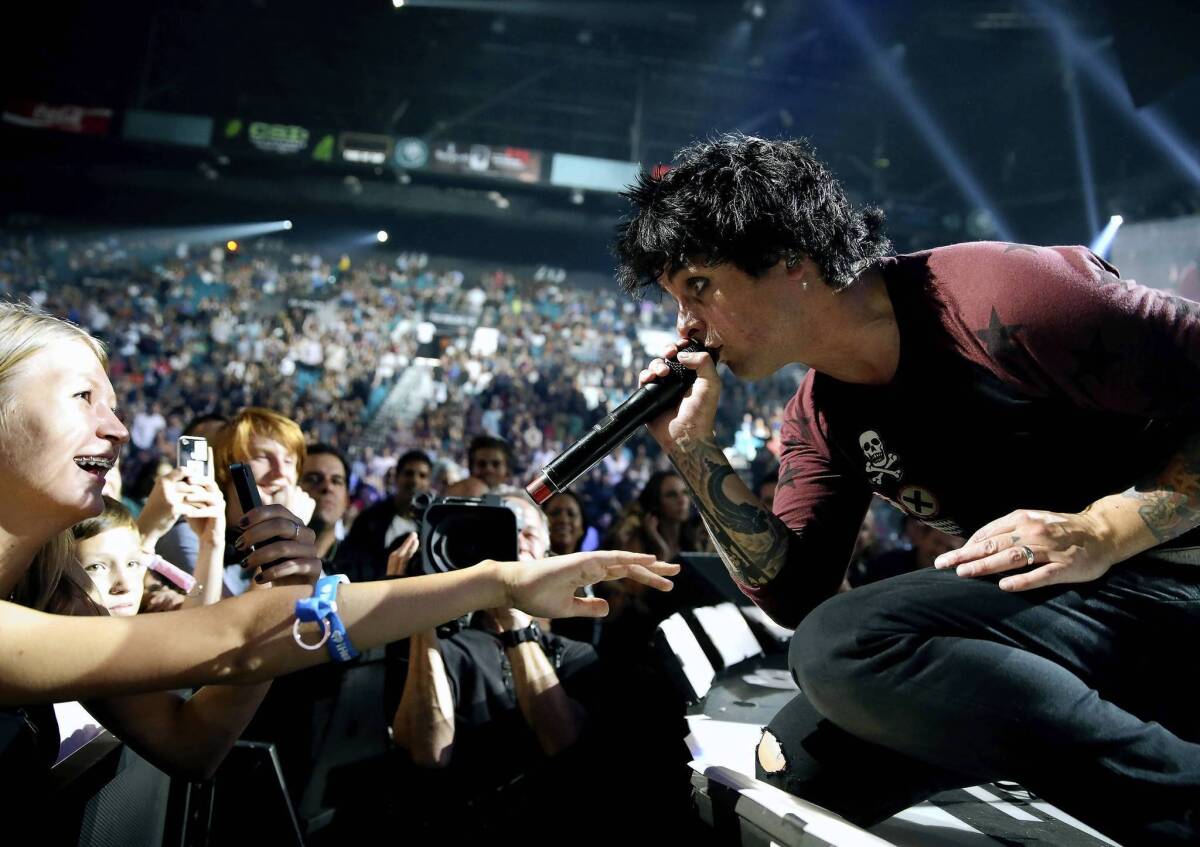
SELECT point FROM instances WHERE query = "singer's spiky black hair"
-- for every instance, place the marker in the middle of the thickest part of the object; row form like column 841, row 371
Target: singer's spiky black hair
column 748, row 201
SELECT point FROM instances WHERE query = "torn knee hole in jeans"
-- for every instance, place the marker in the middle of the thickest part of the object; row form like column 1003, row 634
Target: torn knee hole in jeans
column 770, row 753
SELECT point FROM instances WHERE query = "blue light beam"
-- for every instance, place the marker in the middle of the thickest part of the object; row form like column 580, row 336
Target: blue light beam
column 1155, row 126
column 1103, row 241
column 892, row 76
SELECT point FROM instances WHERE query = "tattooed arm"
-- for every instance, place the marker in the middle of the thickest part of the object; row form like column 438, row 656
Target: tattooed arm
column 1169, row 501
column 786, row 564
column 752, row 541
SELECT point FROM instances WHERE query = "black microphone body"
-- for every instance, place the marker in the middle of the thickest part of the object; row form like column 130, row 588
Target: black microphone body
column 614, row 429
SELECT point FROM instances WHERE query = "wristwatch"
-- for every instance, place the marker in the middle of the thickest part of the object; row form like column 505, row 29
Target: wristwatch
column 513, row 637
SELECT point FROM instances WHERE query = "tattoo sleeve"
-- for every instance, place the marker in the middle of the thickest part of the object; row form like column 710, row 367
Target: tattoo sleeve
column 751, row 540
column 1170, row 501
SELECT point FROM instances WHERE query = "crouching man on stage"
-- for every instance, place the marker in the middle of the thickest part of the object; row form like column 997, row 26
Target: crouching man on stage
column 1024, row 397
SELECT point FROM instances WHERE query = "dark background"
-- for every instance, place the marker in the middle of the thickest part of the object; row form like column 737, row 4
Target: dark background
column 622, row 80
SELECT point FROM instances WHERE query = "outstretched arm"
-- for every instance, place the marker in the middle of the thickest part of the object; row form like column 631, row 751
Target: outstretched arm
column 248, row 639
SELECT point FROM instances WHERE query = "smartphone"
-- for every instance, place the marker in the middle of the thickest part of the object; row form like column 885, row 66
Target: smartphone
column 247, row 492
column 191, row 454
column 246, row 487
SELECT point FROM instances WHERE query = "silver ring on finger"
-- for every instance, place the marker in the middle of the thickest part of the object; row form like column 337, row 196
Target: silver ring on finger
column 1028, row 553
column 297, row 533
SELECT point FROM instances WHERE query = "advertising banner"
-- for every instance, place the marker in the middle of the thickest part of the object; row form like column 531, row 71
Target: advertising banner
column 263, row 137
column 80, row 120
column 363, row 148
column 516, row 163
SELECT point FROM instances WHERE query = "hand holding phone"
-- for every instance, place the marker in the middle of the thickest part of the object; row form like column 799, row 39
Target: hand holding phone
column 297, row 550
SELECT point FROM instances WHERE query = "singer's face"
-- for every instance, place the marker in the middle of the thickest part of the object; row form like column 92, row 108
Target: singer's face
column 753, row 321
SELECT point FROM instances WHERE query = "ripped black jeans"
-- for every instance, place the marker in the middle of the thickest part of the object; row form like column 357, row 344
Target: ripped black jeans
column 928, row 681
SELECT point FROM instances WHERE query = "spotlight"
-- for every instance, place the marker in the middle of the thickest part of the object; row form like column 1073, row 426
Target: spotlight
column 381, row 236
column 577, row 197
column 231, row 246
column 398, row 4
column 755, row 9
column 287, row 224
column 1104, row 239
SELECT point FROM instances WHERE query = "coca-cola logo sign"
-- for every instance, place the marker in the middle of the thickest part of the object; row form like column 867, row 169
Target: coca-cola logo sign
column 84, row 120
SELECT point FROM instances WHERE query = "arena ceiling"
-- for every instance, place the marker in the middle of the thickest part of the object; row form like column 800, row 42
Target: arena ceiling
column 636, row 80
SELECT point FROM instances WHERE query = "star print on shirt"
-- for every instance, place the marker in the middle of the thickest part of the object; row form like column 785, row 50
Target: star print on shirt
column 787, row 476
column 998, row 337
column 1094, row 362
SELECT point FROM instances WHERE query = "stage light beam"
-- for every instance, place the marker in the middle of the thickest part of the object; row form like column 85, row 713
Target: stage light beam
column 381, row 236
column 1151, row 122
column 890, row 72
column 1103, row 241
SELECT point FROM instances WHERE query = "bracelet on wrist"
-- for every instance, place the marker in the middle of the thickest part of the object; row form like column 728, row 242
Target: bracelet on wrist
column 322, row 608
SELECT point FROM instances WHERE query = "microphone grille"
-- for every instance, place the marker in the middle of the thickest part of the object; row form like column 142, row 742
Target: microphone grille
column 679, row 371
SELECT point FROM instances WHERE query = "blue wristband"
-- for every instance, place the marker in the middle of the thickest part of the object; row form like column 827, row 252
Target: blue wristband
column 322, row 608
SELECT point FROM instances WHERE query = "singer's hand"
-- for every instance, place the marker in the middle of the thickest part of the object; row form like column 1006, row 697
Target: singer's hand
column 696, row 414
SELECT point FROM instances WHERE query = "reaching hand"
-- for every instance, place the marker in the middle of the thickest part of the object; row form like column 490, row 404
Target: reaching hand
column 546, row 588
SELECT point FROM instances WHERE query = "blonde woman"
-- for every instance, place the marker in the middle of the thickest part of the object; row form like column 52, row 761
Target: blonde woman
column 59, row 434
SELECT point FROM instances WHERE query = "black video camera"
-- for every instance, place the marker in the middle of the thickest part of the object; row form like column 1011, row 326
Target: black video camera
column 457, row 532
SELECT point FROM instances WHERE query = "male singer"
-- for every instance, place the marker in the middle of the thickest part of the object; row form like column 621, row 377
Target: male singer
column 1024, row 397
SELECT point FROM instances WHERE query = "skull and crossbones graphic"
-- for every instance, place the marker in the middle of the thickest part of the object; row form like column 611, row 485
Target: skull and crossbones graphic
column 879, row 460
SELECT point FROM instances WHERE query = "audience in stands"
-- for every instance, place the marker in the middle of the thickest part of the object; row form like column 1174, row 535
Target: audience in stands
column 567, row 530
column 661, row 520
column 59, row 436
column 383, row 527
column 489, row 461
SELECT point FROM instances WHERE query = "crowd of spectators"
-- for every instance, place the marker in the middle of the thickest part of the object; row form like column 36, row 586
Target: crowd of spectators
column 196, row 329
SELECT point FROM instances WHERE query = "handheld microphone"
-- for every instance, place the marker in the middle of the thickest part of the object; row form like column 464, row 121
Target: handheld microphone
column 613, row 430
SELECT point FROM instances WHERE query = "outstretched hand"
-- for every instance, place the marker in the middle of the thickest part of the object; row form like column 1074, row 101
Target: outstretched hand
column 546, row 588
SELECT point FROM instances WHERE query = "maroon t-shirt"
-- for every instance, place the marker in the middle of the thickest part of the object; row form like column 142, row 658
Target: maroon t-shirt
column 1029, row 377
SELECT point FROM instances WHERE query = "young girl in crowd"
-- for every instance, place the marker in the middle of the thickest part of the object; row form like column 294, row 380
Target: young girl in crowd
column 59, row 434
column 113, row 554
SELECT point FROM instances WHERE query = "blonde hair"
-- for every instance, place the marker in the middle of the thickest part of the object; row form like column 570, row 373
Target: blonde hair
column 232, row 443
column 24, row 332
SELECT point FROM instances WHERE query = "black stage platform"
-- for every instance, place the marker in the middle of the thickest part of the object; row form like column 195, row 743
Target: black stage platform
column 725, row 723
